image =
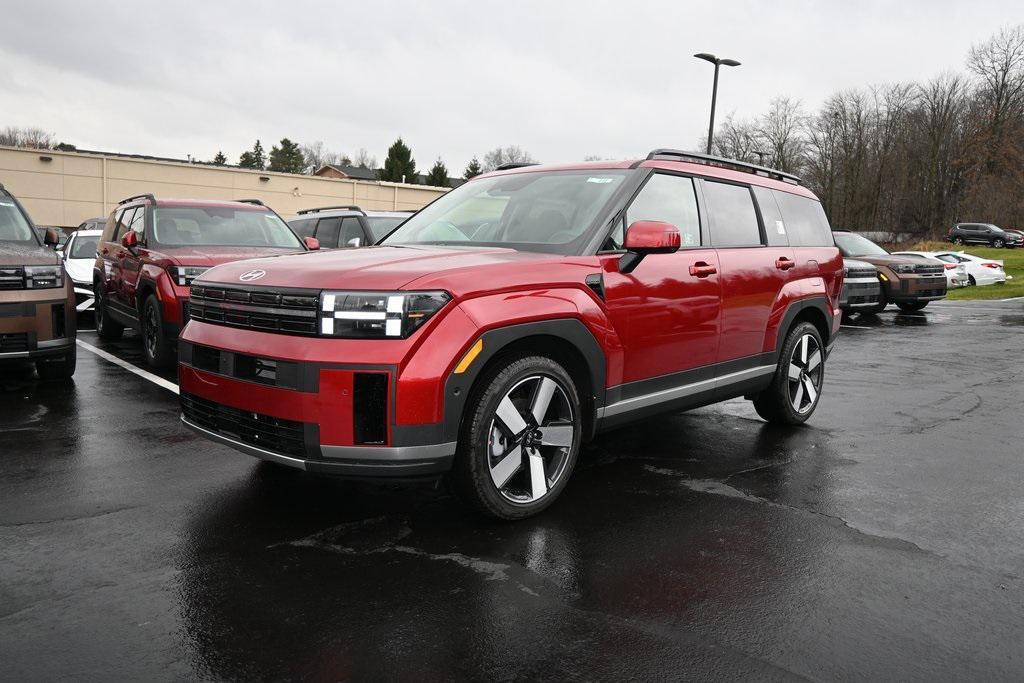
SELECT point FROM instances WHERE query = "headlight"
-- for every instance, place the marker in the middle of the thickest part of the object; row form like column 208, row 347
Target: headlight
column 184, row 275
column 44, row 277
column 903, row 268
column 377, row 314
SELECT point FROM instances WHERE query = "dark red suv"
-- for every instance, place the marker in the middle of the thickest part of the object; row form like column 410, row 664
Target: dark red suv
column 151, row 250
column 515, row 317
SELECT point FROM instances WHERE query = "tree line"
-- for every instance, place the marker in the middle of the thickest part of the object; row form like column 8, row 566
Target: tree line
column 910, row 158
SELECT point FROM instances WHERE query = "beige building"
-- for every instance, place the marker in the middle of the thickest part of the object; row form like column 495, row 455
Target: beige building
column 65, row 188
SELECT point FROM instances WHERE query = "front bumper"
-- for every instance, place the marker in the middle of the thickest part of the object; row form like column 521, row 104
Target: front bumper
column 860, row 292
column 36, row 324
column 911, row 288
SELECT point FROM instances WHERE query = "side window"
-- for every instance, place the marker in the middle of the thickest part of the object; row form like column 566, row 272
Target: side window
column 351, row 229
column 771, row 216
column 327, row 232
column 733, row 216
column 303, row 227
column 138, row 224
column 666, row 198
column 124, row 219
column 805, row 221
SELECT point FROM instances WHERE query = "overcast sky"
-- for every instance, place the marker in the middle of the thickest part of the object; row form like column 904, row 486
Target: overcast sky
column 454, row 78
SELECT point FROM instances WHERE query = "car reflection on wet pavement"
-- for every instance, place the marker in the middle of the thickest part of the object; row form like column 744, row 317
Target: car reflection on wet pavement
column 883, row 539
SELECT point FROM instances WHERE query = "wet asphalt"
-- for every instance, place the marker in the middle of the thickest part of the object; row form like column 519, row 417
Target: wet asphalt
column 883, row 540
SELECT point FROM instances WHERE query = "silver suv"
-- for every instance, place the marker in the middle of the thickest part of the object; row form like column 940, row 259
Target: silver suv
column 345, row 227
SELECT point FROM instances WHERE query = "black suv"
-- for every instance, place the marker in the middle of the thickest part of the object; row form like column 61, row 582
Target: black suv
column 344, row 227
column 984, row 233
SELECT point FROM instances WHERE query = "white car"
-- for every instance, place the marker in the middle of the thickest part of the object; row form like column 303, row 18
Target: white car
column 956, row 272
column 79, row 258
column 980, row 271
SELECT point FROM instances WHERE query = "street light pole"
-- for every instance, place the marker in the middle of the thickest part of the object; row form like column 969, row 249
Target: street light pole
column 714, row 89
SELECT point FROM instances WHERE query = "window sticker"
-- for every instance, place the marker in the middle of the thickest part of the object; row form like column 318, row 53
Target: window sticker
column 6, row 203
column 780, row 228
column 688, row 240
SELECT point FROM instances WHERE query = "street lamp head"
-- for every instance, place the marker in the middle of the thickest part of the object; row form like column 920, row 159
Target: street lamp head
column 729, row 62
column 707, row 57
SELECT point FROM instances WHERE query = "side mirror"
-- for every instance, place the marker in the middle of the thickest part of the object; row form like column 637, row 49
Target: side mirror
column 130, row 240
column 647, row 237
column 312, row 243
column 353, row 243
column 50, row 238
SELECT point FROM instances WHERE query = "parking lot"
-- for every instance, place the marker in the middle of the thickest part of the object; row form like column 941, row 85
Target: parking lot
column 883, row 539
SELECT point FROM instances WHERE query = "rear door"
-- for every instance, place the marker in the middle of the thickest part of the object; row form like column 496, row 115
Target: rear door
column 666, row 311
column 752, row 272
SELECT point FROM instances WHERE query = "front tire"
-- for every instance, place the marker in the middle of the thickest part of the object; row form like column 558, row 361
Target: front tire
column 795, row 390
column 998, row 243
column 911, row 306
column 105, row 327
column 155, row 345
column 58, row 370
column 958, row 241
column 519, row 446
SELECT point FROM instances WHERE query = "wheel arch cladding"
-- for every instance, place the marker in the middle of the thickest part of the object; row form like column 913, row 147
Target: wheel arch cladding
column 567, row 341
column 814, row 310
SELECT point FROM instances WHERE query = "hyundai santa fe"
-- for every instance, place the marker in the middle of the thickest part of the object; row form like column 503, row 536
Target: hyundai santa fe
column 514, row 318
column 151, row 249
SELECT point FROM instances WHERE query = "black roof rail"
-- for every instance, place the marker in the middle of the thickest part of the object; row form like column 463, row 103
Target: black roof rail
column 348, row 207
column 257, row 202
column 148, row 196
column 515, row 164
column 722, row 162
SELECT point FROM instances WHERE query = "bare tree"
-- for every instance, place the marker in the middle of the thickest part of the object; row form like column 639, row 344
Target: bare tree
column 779, row 132
column 316, row 156
column 737, row 140
column 35, row 138
column 364, row 159
column 500, row 156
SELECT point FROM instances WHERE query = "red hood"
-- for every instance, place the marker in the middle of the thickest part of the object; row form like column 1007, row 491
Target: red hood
column 369, row 268
column 213, row 256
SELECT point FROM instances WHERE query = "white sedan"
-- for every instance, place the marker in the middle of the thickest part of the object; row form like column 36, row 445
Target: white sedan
column 956, row 273
column 980, row 271
column 79, row 257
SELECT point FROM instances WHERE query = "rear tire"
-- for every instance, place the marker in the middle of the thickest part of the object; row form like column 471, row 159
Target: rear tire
column 971, row 282
column 155, row 345
column 105, row 327
column 58, row 370
column 910, row 306
column 793, row 395
column 510, row 463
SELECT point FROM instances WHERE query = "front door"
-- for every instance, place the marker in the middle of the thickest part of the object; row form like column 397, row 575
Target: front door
column 131, row 263
column 666, row 312
column 113, row 258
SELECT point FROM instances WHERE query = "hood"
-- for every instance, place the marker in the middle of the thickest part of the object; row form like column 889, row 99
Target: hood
column 889, row 260
column 80, row 269
column 214, row 256
column 854, row 264
column 21, row 254
column 368, row 268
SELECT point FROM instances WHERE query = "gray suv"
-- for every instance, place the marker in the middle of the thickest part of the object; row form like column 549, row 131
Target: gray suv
column 984, row 233
column 344, row 227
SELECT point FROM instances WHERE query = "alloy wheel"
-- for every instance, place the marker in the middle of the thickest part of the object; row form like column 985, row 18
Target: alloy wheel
column 805, row 374
column 530, row 438
column 149, row 330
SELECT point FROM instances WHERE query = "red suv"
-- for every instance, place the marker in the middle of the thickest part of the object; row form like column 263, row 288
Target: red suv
column 502, row 326
column 151, row 250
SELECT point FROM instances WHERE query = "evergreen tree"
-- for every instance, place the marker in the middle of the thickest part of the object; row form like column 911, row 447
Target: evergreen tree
column 399, row 164
column 254, row 158
column 220, row 159
column 438, row 176
column 473, row 170
column 286, row 158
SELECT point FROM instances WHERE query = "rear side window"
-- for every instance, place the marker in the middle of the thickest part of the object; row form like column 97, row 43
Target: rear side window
column 303, row 227
column 327, row 232
column 351, row 230
column 666, row 198
column 124, row 219
column 771, row 216
column 733, row 216
column 805, row 221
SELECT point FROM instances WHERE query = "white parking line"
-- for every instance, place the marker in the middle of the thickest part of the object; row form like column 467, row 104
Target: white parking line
column 856, row 327
column 159, row 381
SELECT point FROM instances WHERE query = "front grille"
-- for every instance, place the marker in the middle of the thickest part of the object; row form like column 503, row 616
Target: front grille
column 285, row 311
column 866, row 299
column 262, row 431
column 12, row 278
column 930, row 292
column 12, row 343
column 861, row 272
column 925, row 269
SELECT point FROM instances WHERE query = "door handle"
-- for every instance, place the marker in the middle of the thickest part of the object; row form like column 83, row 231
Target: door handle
column 701, row 269
column 105, row 252
column 784, row 263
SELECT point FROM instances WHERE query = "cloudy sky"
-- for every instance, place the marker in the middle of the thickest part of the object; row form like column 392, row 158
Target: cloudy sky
column 562, row 79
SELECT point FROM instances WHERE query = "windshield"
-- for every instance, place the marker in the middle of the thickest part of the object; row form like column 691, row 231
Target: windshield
column 535, row 211
column 84, row 247
column 223, row 227
column 852, row 245
column 13, row 226
column 382, row 225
